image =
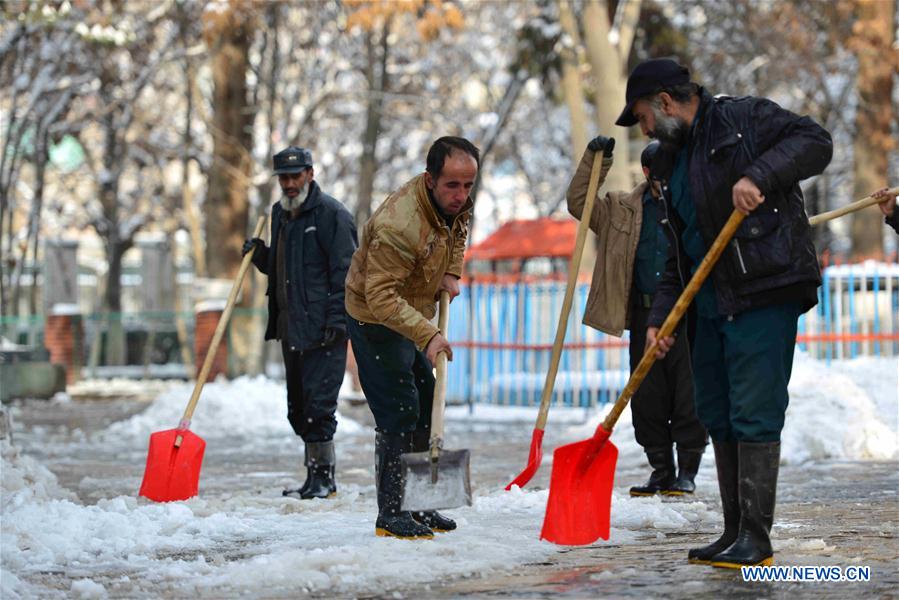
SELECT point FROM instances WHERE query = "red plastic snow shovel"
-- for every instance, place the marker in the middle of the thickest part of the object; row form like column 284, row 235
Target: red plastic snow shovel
column 535, row 455
column 176, row 455
column 580, row 488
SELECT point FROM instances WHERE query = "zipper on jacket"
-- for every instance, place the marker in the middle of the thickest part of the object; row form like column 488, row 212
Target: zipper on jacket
column 736, row 245
column 667, row 222
column 680, row 270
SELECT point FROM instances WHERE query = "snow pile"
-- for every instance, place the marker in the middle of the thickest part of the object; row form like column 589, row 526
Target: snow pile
column 842, row 411
column 241, row 542
column 118, row 387
column 25, row 481
column 245, row 407
column 226, row 546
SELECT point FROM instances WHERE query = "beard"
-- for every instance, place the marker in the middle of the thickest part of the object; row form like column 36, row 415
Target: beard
column 670, row 131
column 293, row 203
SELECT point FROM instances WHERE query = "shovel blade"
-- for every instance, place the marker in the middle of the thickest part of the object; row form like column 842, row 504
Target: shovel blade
column 535, row 457
column 453, row 486
column 173, row 473
column 580, row 491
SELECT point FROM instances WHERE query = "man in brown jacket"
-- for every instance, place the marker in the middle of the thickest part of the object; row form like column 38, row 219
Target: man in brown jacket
column 411, row 250
column 630, row 259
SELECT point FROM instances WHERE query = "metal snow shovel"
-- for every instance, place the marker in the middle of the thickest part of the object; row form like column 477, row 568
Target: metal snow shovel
column 437, row 478
column 176, row 455
column 580, row 488
column 535, row 455
column 849, row 208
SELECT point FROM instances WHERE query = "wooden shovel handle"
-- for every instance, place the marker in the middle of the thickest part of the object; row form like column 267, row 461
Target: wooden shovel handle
column 219, row 332
column 573, row 267
column 849, row 208
column 674, row 317
column 439, row 405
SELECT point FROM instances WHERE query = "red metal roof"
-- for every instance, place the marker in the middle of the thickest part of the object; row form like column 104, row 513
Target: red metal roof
column 527, row 238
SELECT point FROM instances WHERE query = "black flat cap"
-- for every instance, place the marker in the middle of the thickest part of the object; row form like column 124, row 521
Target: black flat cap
column 646, row 79
column 293, row 159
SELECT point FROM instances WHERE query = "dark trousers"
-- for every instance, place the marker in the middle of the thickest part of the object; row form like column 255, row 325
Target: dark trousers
column 742, row 366
column 662, row 407
column 396, row 378
column 313, row 383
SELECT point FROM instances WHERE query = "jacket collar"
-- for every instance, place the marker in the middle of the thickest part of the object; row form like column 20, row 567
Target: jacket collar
column 313, row 198
column 705, row 100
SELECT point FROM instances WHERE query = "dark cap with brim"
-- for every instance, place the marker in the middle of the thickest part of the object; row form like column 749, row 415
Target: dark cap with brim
column 647, row 78
column 292, row 160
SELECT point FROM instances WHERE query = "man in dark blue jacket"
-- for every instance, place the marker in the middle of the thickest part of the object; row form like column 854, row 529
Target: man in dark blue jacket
column 721, row 154
column 313, row 240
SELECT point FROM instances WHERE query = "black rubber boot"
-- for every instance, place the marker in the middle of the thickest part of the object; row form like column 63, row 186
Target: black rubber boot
column 727, row 465
column 759, row 464
column 320, row 481
column 688, row 460
column 429, row 518
column 298, row 492
column 663, row 475
column 392, row 521
column 434, row 521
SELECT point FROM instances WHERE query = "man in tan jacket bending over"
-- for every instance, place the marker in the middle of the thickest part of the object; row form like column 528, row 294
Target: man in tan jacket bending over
column 411, row 250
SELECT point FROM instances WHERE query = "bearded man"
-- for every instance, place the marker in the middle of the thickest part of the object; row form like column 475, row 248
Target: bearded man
column 721, row 154
column 312, row 242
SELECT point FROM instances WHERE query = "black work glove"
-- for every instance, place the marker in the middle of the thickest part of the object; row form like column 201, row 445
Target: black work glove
column 332, row 336
column 602, row 144
column 250, row 246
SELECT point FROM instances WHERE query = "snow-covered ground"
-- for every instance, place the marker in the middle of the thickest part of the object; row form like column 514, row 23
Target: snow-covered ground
column 243, row 543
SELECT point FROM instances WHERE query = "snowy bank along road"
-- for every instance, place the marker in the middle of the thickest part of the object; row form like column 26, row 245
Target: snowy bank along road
column 72, row 526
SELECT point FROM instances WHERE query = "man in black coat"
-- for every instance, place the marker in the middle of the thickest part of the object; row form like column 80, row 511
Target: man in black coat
column 313, row 240
column 720, row 154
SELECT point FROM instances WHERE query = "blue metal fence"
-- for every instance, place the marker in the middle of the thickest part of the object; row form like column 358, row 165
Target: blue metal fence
column 502, row 336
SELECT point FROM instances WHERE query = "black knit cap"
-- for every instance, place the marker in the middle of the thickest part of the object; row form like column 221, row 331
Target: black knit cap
column 647, row 78
column 649, row 153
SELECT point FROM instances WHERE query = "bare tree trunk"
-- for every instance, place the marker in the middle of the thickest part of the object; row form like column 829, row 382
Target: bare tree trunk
column 572, row 88
column 227, row 205
column 187, row 200
column 874, row 119
column 34, row 216
column 610, row 79
column 256, row 364
column 41, row 158
column 376, row 75
column 115, row 248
